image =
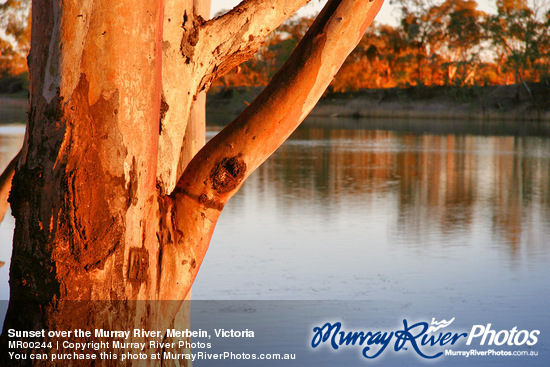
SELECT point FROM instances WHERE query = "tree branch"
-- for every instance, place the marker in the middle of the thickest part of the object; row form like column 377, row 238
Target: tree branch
column 199, row 52
column 217, row 172
column 235, row 36
column 5, row 185
column 287, row 100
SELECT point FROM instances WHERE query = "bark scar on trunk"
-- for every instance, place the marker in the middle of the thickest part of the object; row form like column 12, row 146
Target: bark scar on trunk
column 227, row 174
column 190, row 36
column 164, row 107
column 138, row 265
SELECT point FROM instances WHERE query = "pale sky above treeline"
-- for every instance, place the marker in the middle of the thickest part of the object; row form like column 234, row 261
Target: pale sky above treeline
column 389, row 14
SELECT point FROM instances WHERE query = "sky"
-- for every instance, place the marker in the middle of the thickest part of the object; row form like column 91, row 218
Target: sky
column 388, row 14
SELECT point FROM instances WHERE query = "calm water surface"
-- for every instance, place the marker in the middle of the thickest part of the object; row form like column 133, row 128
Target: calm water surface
column 447, row 224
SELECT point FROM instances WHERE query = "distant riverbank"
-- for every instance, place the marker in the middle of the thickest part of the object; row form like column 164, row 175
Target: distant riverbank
column 13, row 108
column 511, row 102
column 528, row 103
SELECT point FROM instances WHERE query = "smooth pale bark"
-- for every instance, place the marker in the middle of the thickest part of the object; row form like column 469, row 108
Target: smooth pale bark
column 193, row 141
column 198, row 52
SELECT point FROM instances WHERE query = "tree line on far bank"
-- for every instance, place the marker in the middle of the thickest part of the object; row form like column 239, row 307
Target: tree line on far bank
column 450, row 43
column 446, row 43
column 15, row 40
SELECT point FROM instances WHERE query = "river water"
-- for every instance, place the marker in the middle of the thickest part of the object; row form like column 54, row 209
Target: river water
column 380, row 220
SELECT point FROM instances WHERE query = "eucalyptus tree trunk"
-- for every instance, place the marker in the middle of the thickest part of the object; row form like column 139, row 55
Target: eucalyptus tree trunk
column 114, row 199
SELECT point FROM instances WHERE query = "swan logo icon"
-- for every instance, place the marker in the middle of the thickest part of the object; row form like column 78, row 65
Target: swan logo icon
column 439, row 325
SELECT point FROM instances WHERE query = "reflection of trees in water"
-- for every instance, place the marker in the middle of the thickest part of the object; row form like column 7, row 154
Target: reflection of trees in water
column 521, row 187
column 447, row 183
column 437, row 187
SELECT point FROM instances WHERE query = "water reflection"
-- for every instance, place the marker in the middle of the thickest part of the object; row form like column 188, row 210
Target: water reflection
column 444, row 183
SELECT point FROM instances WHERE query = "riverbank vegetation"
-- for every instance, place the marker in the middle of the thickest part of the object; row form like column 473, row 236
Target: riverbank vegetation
column 451, row 43
column 443, row 58
column 491, row 102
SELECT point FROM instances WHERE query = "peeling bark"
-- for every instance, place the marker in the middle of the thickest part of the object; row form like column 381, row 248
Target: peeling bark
column 84, row 193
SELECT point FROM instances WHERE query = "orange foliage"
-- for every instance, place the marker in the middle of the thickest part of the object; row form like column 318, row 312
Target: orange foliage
column 450, row 43
column 15, row 36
